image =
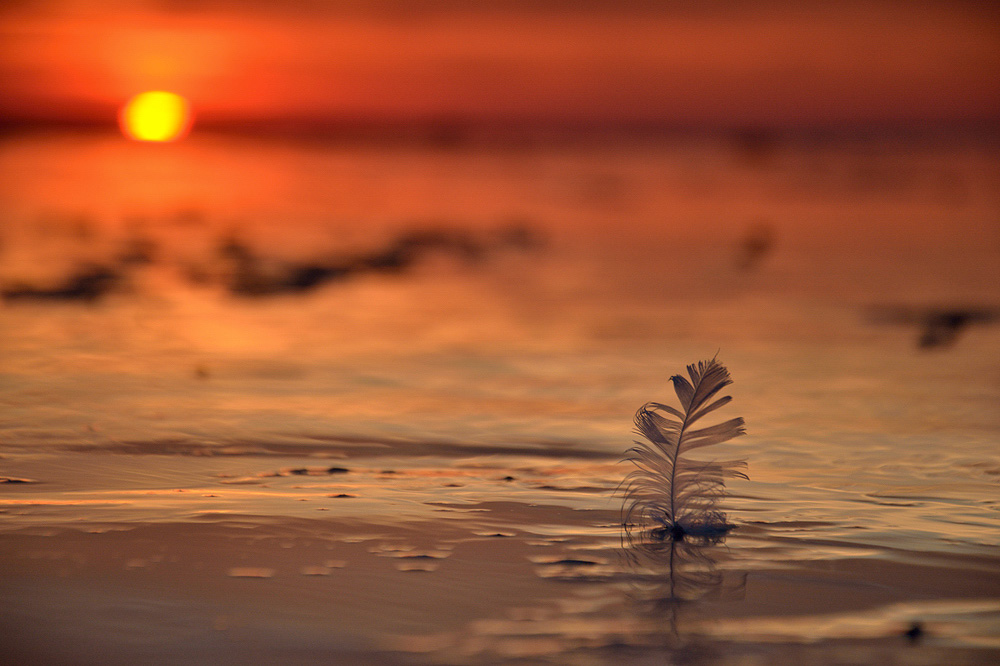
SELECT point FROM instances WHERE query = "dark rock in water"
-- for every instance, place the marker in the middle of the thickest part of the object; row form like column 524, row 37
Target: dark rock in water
column 939, row 326
column 337, row 470
column 9, row 479
column 342, row 495
column 87, row 285
column 301, row 471
column 508, row 478
column 755, row 245
column 915, row 632
column 252, row 275
column 943, row 327
column 302, row 278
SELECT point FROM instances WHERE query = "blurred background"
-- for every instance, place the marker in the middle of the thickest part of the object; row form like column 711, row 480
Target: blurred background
column 396, row 113
column 311, row 64
column 403, row 177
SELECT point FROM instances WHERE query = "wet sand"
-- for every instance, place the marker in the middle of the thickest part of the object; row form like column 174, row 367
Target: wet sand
column 444, row 560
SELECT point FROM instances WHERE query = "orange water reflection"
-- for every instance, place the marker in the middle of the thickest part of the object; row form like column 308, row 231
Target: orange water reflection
column 843, row 219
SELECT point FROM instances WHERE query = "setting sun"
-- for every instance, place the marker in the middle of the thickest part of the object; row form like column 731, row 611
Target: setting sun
column 155, row 116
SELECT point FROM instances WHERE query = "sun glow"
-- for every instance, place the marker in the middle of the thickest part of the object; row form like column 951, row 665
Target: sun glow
column 155, row 116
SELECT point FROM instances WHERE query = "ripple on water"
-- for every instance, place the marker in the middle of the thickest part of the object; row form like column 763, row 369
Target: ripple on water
column 251, row 572
column 417, row 565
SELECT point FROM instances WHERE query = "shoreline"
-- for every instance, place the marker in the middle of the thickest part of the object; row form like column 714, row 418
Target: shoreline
column 478, row 584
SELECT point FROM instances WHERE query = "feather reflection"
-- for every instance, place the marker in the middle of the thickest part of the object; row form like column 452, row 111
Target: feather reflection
column 670, row 572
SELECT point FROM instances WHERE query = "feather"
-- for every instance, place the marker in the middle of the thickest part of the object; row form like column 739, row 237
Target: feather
column 667, row 490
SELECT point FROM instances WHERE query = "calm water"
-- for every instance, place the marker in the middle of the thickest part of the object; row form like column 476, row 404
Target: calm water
column 170, row 400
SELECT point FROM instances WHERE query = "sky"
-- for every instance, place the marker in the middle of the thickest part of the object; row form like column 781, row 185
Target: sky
column 690, row 63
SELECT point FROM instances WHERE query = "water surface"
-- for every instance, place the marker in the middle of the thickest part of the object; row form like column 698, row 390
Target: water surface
column 419, row 463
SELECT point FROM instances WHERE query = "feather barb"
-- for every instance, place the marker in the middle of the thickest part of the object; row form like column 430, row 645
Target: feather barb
column 666, row 489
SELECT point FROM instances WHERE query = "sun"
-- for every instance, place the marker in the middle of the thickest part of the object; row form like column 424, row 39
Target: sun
column 155, row 116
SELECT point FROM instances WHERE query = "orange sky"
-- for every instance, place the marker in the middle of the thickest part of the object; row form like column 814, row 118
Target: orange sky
column 695, row 63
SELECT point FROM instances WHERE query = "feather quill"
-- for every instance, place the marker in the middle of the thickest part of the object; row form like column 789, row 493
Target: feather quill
column 667, row 491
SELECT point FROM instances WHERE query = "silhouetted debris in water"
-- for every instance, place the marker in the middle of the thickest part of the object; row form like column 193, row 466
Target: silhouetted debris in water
column 137, row 251
column 244, row 272
column 89, row 284
column 247, row 277
column 251, row 275
column 939, row 327
column 754, row 246
column 337, row 470
column 303, row 278
column 413, row 245
column 914, row 633
column 942, row 328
